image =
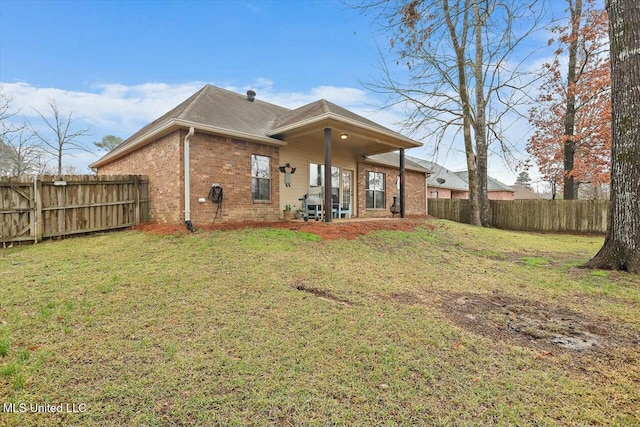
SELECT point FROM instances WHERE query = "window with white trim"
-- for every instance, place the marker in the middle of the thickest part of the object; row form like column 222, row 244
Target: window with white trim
column 374, row 190
column 260, row 177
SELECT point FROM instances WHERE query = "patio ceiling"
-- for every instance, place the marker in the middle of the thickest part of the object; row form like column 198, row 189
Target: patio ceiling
column 363, row 136
column 362, row 139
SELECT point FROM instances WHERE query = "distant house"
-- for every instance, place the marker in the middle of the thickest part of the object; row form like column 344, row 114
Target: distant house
column 522, row 192
column 445, row 184
column 262, row 157
column 496, row 190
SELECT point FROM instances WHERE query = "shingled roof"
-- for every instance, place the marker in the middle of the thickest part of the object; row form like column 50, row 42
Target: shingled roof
column 451, row 180
column 492, row 183
column 216, row 110
column 393, row 160
column 319, row 109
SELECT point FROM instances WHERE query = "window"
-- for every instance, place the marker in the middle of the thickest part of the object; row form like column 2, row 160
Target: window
column 260, row 177
column 374, row 191
column 316, row 177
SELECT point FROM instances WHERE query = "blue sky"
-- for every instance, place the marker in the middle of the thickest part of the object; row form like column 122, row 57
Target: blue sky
column 120, row 64
column 77, row 44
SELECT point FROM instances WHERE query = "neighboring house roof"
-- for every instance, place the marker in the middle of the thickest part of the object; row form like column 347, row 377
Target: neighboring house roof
column 457, row 181
column 220, row 111
column 451, row 180
column 492, row 183
column 393, row 160
column 524, row 193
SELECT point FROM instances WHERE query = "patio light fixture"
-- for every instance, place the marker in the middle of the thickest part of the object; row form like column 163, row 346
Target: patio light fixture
column 344, row 136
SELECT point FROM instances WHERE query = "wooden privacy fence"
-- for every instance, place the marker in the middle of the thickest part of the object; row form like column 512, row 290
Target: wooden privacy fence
column 35, row 208
column 566, row 216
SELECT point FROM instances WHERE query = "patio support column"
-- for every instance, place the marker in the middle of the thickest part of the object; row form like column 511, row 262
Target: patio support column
column 402, row 176
column 328, row 203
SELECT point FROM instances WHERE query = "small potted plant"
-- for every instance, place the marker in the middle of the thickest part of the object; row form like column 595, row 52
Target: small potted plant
column 286, row 213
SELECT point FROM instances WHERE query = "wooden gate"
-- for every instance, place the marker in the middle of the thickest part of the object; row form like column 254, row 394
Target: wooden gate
column 35, row 208
column 17, row 209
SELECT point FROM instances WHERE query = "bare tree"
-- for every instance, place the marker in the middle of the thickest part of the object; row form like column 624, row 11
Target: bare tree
column 621, row 249
column 20, row 156
column 461, row 73
column 6, row 113
column 18, row 153
column 65, row 138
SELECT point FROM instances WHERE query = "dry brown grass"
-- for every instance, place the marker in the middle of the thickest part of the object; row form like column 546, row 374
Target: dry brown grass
column 442, row 325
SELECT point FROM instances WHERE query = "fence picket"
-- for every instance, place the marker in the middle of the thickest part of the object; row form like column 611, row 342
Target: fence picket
column 33, row 208
column 565, row 216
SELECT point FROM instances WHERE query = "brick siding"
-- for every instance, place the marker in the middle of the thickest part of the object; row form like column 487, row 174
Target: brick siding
column 226, row 161
column 213, row 159
column 500, row 195
column 161, row 161
column 414, row 191
column 444, row 193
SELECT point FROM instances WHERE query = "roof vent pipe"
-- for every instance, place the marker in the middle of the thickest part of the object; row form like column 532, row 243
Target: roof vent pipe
column 251, row 95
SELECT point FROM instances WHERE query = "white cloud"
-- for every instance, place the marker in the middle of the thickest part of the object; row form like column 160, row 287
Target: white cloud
column 118, row 108
column 123, row 109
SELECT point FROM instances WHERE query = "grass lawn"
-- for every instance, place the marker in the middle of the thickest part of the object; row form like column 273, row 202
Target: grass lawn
column 444, row 325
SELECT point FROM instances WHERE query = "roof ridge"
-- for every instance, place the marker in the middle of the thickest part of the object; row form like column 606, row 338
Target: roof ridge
column 194, row 99
column 325, row 105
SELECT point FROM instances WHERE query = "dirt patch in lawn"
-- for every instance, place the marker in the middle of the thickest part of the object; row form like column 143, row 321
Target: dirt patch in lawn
column 345, row 229
column 547, row 328
column 322, row 294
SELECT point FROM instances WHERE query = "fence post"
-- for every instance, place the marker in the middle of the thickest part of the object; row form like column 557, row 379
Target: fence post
column 32, row 207
column 136, row 181
column 38, row 209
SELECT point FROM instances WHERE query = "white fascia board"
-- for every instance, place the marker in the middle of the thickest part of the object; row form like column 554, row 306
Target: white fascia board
column 347, row 121
column 179, row 123
column 132, row 146
column 232, row 133
column 369, row 160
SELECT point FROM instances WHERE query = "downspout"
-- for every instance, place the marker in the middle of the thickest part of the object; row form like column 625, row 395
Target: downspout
column 426, row 194
column 187, row 181
column 403, row 205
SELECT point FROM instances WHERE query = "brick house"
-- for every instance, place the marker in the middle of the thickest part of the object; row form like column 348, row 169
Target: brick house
column 265, row 157
column 445, row 184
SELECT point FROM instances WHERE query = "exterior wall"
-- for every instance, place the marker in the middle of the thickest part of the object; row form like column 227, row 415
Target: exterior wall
column 445, row 193
column 459, row 194
column 300, row 155
column 161, row 161
column 415, row 186
column 439, row 193
column 415, row 193
column 226, row 161
column 501, row 195
column 212, row 159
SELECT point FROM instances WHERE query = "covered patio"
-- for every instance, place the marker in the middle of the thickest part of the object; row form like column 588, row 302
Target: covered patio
column 344, row 137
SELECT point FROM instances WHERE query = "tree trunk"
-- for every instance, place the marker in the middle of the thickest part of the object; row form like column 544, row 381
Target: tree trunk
column 621, row 249
column 459, row 45
column 570, row 114
column 60, row 160
column 480, row 128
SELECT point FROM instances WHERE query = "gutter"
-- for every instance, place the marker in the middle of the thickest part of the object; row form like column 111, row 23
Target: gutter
column 179, row 123
column 345, row 120
column 187, row 180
